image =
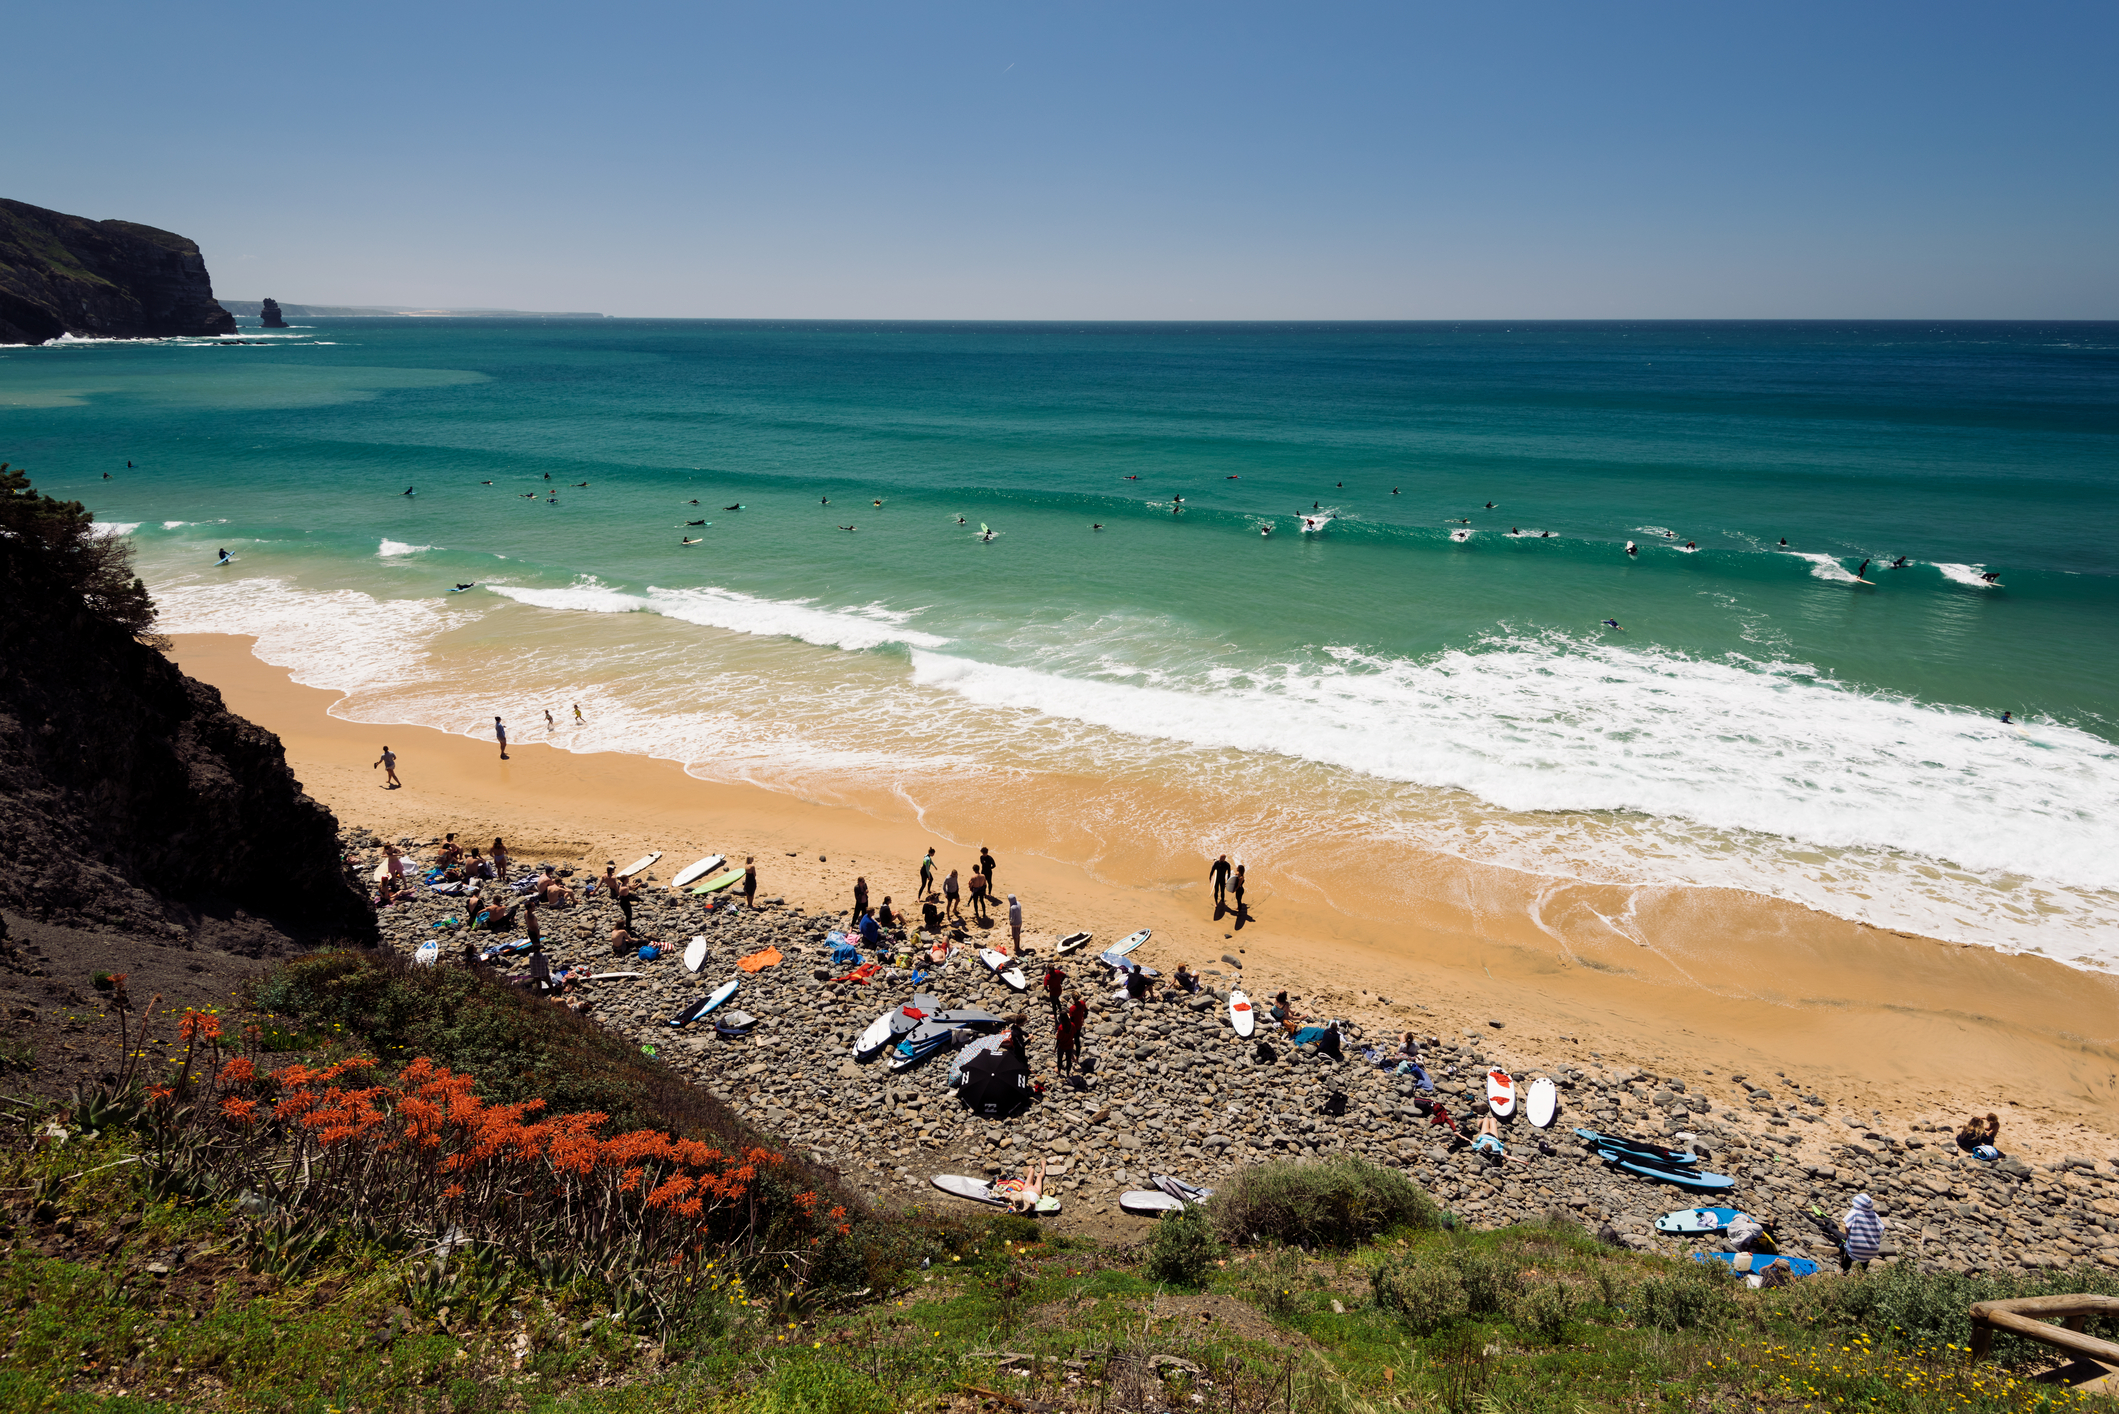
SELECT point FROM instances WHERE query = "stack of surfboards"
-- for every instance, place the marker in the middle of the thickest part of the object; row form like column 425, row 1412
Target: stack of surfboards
column 898, row 1021
column 1169, row 1195
column 1654, row 1161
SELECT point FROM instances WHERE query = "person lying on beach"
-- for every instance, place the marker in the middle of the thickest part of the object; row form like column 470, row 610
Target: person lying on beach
column 1489, row 1140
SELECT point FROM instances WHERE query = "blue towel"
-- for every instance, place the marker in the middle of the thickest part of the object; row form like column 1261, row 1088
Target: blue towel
column 1308, row 1034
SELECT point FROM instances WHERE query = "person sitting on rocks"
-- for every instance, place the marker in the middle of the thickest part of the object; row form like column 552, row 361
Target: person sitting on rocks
column 451, row 851
column 478, row 868
column 931, row 916
column 1139, row 985
column 391, row 890
column 1329, row 1043
column 1409, row 1061
column 1978, row 1132
column 1185, row 978
column 1290, row 1020
column 888, row 916
column 624, row 940
column 499, row 917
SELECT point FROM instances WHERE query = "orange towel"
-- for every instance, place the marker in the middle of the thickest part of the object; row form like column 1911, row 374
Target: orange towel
column 758, row 960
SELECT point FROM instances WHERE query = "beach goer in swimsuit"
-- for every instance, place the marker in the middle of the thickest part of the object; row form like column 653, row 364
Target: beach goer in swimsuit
column 750, row 881
column 1489, row 1140
column 1409, row 1061
column 549, row 724
column 978, row 896
column 1284, row 1013
column 499, row 854
column 1218, row 875
column 388, row 761
column 500, row 732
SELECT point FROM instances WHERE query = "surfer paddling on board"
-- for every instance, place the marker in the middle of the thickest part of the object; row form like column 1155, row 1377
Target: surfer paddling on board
column 689, row 540
column 1613, row 623
column 1097, row 526
column 462, row 587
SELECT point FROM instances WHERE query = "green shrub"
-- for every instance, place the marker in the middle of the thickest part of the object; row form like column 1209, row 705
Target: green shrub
column 1015, row 1227
column 1338, row 1202
column 1679, row 1302
column 1184, row 1250
column 1492, row 1280
column 1544, row 1311
column 1427, row 1296
column 1933, row 1309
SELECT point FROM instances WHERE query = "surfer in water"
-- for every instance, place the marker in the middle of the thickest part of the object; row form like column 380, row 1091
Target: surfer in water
column 1265, row 530
column 1690, row 546
column 689, row 540
column 462, row 587
column 1863, row 572
column 1129, row 478
column 695, row 522
column 1489, row 505
column 224, row 558
column 982, row 539
column 823, row 500
column 1897, row 564
column 485, row 483
column 1631, row 549
column 1784, row 542
column 1613, row 623
column 737, row 507
column 1991, row 576
column 581, row 486
column 1545, row 535
column 846, row 527
column 406, row 492
column 2007, row 720
column 961, row 521
column 1097, row 526
column 875, row 503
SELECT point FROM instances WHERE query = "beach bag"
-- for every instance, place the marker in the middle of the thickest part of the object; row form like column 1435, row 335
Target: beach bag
column 649, row 952
column 1986, row 1153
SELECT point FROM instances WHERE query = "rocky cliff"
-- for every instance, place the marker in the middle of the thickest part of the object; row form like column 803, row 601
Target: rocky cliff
column 131, row 799
column 63, row 274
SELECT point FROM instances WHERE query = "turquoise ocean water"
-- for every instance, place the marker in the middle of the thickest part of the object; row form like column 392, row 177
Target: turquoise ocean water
column 1422, row 669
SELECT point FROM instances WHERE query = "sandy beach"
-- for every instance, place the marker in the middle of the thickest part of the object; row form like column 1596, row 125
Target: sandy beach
column 1685, row 982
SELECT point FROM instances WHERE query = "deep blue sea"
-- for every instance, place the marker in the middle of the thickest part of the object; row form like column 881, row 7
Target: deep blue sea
column 1428, row 666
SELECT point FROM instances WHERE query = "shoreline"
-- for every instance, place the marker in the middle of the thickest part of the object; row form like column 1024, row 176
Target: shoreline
column 1915, row 1030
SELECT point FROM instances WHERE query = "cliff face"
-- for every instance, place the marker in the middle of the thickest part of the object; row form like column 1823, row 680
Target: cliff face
column 131, row 799
column 63, row 274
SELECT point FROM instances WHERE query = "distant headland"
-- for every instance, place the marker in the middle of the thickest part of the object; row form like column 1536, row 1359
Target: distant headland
column 63, row 274
column 250, row 307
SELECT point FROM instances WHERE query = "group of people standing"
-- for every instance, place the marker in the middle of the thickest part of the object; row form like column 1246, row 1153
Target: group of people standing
column 1228, row 885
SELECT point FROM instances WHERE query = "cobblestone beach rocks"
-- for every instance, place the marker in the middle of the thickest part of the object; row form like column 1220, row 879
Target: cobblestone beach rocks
column 1168, row 1087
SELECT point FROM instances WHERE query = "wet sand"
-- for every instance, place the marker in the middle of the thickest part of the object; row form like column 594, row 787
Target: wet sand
column 1675, row 981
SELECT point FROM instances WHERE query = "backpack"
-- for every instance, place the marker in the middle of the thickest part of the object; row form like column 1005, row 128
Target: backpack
column 1335, row 1103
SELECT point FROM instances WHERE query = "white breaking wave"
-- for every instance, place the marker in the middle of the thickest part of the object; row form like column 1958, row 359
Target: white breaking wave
column 1827, row 568
column 341, row 639
column 393, row 549
column 869, row 627
column 1551, row 724
column 1967, row 575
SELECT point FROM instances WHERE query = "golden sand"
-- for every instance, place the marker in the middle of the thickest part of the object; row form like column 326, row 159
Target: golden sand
column 1679, row 981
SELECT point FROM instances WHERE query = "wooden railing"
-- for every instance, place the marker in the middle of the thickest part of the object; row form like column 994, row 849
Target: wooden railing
column 2027, row 1317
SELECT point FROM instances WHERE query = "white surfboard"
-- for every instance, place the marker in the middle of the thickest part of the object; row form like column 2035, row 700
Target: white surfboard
column 876, row 1037
column 427, row 953
column 1073, row 942
column 1542, row 1102
column 695, row 954
column 639, row 864
column 721, row 994
column 997, row 963
column 611, row 976
column 1129, row 943
column 1148, row 1203
column 698, row 869
column 1242, row 1015
column 1501, row 1092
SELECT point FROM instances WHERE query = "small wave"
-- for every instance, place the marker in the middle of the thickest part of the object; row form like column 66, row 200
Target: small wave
column 1656, row 530
column 1966, row 575
column 870, row 626
column 1531, row 534
column 1827, row 568
column 1460, row 536
column 393, row 549
column 104, row 529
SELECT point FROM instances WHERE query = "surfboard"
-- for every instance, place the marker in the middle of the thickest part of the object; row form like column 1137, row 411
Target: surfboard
column 1242, row 1015
column 1543, row 1101
column 1128, row 943
column 698, row 869
column 1460, row 536
column 639, row 864
column 695, row 954
column 427, row 953
column 1501, row 1092
column 921, row 1043
column 877, row 1036
column 690, row 1012
column 980, row 1191
column 721, row 994
column 1148, row 1203
column 1683, row 1177
column 1691, row 1220
column 733, row 876
column 1072, row 942
column 1653, row 1153
column 612, row 976
column 997, row 963
column 1756, row 1263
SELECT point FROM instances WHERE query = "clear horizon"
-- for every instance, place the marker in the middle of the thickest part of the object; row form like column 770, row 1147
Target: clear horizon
column 946, row 162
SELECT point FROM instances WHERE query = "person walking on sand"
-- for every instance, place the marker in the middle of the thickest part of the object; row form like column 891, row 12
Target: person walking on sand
column 1015, row 924
column 951, row 903
column 750, row 881
column 927, row 874
column 500, row 732
column 986, row 868
column 860, row 898
column 1219, row 873
column 388, row 761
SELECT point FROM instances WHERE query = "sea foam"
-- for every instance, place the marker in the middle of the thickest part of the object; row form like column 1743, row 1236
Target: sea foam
column 870, row 626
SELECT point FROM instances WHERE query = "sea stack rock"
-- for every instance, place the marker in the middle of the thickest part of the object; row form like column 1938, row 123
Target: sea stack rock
column 270, row 314
column 63, row 274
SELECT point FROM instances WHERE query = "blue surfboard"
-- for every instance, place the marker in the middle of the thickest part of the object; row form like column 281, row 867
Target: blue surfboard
column 1697, row 1220
column 1756, row 1262
column 1683, row 1177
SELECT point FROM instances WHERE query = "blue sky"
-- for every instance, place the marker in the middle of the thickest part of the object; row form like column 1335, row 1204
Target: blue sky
column 1152, row 161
